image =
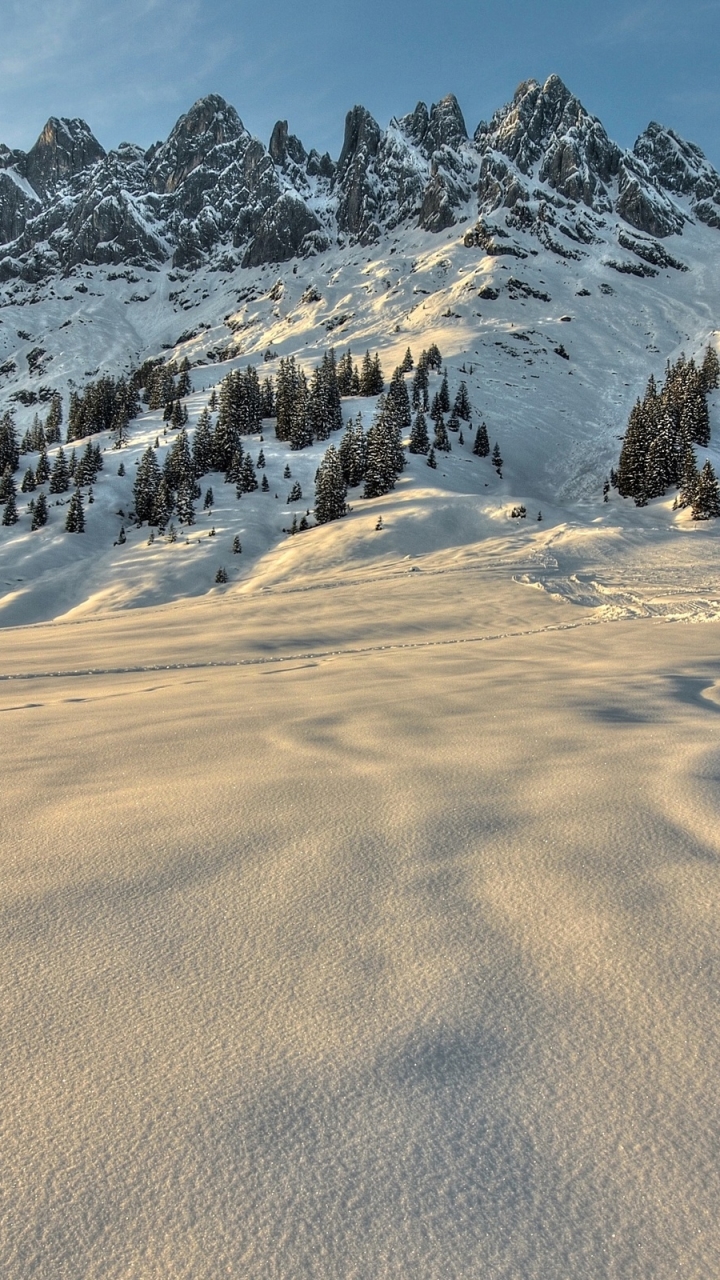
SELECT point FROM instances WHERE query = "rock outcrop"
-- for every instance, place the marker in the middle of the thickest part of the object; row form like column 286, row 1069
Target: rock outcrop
column 543, row 166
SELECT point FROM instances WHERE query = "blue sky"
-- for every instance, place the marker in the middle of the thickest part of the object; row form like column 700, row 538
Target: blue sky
column 131, row 67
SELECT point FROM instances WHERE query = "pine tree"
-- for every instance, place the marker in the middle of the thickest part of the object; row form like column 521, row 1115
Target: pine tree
column 162, row 507
column 28, row 481
column 265, row 486
column 9, row 450
column 209, row 500
column 121, row 469
column 10, row 515
column 295, row 494
column 453, row 422
column 496, row 458
column 287, row 473
column 261, row 460
column 442, row 440
column 213, row 401
column 420, row 384
column 407, row 363
column 419, row 439
column 60, row 474
column 40, row 513
column 184, row 382
column 202, row 447
column 247, row 481
column 54, row 419
column 221, row 575
column 75, row 519
column 178, row 467
column 330, row 488
column 42, row 470
column 432, row 461
column 184, row 505
column 237, row 545
column 444, row 395
column 398, row 401
column 7, row 484
column 462, row 403
column 147, row 483
column 706, row 498
column 434, row 359
column 233, row 475
column 710, row 370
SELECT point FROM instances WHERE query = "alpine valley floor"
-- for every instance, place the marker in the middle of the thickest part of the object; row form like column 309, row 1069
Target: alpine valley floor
column 369, row 928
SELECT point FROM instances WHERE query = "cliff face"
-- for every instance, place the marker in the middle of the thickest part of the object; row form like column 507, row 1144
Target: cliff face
column 213, row 192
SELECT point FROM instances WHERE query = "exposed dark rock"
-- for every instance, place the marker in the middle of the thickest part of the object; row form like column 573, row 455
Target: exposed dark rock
column 357, row 204
column 64, row 148
column 281, row 232
column 17, row 205
column 284, row 146
column 543, row 167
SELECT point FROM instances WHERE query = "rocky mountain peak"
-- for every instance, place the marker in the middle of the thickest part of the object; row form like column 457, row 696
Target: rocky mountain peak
column 211, row 122
column 285, row 146
column 64, row 148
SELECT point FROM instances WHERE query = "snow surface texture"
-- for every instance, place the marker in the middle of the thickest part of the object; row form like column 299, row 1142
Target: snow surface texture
column 340, row 938
column 360, row 918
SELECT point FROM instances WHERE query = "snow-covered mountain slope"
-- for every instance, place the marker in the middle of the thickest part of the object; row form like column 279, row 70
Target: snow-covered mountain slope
column 536, row 240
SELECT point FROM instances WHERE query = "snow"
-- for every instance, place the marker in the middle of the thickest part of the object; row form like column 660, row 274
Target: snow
column 558, row 422
column 363, row 927
column 22, row 183
column 359, row 917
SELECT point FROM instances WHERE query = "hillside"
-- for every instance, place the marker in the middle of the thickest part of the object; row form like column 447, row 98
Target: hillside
column 553, row 242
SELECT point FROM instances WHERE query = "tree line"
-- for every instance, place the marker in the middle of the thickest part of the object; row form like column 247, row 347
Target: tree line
column 658, row 453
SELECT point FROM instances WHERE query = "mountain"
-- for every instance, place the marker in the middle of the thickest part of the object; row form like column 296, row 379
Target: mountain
column 554, row 270
column 212, row 193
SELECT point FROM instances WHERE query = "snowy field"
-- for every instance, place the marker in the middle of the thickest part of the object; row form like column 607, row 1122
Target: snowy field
column 370, row 927
column 359, row 917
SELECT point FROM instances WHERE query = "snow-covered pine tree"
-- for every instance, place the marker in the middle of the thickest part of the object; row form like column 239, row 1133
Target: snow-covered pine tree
column 184, row 504
column 29, row 482
column 184, row 381
column 75, row 519
column 706, row 498
column 330, row 488
column 178, row 466
column 462, row 403
column 496, row 458
column 60, row 474
column 9, row 450
column 408, row 363
column 444, row 394
column 442, row 440
column 247, row 481
column 710, row 370
column 419, row 439
column 42, row 470
column 53, row 422
column 40, row 513
column 7, row 484
column 147, row 483
column 398, row 401
column 162, row 507
column 434, row 359
column 202, row 446
column 10, row 515
column 233, row 475
column 432, row 460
